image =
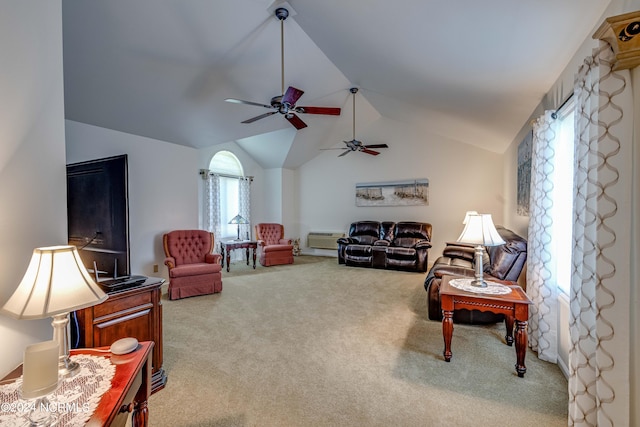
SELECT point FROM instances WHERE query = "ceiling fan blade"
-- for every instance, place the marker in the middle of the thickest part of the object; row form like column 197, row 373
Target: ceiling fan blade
column 292, row 95
column 261, row 116
column 373, row 153
column 296, row 121
column 346, row 151
column 329, row 111
column 240, row 101
column 376, row 146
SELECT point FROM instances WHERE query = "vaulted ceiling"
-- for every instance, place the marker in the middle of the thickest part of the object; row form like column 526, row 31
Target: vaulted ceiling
column 470, row 70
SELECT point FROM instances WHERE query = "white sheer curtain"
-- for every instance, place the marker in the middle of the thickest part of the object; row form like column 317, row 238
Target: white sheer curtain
column 211, row 204
column 542, row 285
column 245, row 206
column 599, row 354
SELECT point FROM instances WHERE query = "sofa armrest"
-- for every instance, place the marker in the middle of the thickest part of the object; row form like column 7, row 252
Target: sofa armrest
column 346, row 240
column 454, row 250
column 285, row 241
column 170, row 262
column 424, row 244
column 213, row 258
column 454, row 271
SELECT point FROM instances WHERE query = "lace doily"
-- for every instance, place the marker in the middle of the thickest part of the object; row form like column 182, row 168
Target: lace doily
column 75, row 400
column 492, row 288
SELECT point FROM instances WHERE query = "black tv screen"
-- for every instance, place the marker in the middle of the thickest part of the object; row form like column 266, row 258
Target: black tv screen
column 98, row 215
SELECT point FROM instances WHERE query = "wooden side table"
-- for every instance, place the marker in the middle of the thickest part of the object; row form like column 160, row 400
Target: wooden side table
column 226, row 246
column 130, row 387
column 514, row 306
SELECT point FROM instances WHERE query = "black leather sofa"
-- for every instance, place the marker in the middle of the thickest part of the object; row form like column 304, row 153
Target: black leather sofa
column 390, row 245
column 504, row 262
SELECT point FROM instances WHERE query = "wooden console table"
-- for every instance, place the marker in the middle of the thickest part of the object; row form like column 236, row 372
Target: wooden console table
column 514, row 305
column 226, row 246
column 132, row 312
column 130, row 387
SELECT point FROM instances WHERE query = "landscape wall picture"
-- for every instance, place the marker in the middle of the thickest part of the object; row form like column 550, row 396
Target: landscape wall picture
column 413, row 192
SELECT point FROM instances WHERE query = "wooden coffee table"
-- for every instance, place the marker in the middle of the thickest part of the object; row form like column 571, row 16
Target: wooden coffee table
column 514, row 306
column 226, row 246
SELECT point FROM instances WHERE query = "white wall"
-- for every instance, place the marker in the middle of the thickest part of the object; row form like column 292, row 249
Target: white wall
column 163, row 187
column 32, row 164
column 461, row 177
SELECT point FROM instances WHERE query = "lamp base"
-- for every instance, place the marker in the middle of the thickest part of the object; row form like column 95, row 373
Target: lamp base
column 479, row 283
column 67, row 368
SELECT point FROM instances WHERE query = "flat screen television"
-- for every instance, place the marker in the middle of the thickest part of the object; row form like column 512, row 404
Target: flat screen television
column 98, row 215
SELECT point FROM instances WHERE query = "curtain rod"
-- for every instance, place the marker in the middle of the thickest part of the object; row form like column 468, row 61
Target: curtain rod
column 554, row 115
column 205, row 172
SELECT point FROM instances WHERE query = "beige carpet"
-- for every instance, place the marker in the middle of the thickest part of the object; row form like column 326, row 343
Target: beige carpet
column 319, row 344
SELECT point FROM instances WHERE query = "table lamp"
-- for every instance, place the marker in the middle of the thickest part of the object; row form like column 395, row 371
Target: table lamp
column 55, row 283
column 238, row 219
column 480, row 232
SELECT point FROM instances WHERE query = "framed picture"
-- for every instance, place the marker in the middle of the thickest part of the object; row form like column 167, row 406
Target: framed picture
column 524, row 174
column 413, row 192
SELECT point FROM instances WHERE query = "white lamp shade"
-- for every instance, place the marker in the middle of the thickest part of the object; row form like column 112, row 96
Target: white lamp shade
column 55, row 282
column 466, row 216
column 479, row 230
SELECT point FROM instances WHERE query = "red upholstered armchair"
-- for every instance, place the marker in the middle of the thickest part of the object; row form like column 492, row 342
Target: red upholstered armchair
column 193, row 268
column 274, row 248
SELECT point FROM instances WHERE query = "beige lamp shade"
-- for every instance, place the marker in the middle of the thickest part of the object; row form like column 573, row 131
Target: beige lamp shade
column 55, row 282
column 479, row 230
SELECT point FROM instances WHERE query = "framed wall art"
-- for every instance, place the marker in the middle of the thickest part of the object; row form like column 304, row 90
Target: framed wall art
column 524, row 174
column 413, row 192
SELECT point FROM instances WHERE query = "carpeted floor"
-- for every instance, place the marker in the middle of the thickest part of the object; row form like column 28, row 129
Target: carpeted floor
column 319, row 344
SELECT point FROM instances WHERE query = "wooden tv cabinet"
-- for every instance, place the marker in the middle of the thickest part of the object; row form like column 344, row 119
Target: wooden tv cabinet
column 132, row 312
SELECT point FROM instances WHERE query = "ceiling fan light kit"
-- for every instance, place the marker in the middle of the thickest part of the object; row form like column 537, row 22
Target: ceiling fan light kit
column 285, row 104
column 354, row 144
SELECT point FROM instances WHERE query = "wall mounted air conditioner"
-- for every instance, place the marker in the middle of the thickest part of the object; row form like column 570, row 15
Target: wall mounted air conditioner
column 323, row 240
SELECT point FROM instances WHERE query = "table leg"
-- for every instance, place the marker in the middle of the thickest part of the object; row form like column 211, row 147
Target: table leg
column 254, row 257
column 247, row 255
column 521, row 347
column 228, row 259
column 140, row 417
column 447, row 333
column 222, row 254
column 508, row 323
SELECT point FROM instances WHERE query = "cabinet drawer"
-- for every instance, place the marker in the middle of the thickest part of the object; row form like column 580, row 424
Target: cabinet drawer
column 124, row 416
column 112, row 306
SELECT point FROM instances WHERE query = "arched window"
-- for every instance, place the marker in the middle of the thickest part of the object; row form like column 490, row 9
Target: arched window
column 227, row 194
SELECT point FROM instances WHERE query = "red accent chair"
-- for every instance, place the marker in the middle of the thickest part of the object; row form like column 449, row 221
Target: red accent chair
column 274, row 248
column 193, row 268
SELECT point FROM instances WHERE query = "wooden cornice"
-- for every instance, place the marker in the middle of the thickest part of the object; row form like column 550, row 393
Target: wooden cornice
column 622, row 32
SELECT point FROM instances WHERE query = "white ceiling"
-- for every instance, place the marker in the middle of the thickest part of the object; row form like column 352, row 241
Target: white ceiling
column 470, row 70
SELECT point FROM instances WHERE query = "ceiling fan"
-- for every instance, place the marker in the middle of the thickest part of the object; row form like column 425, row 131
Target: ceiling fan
column 354, row 144
column 285, row 104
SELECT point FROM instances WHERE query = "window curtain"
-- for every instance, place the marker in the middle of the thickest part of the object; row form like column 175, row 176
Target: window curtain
column 211, row 205
column 599, row 355
column 245, row 206
column 541, row 270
